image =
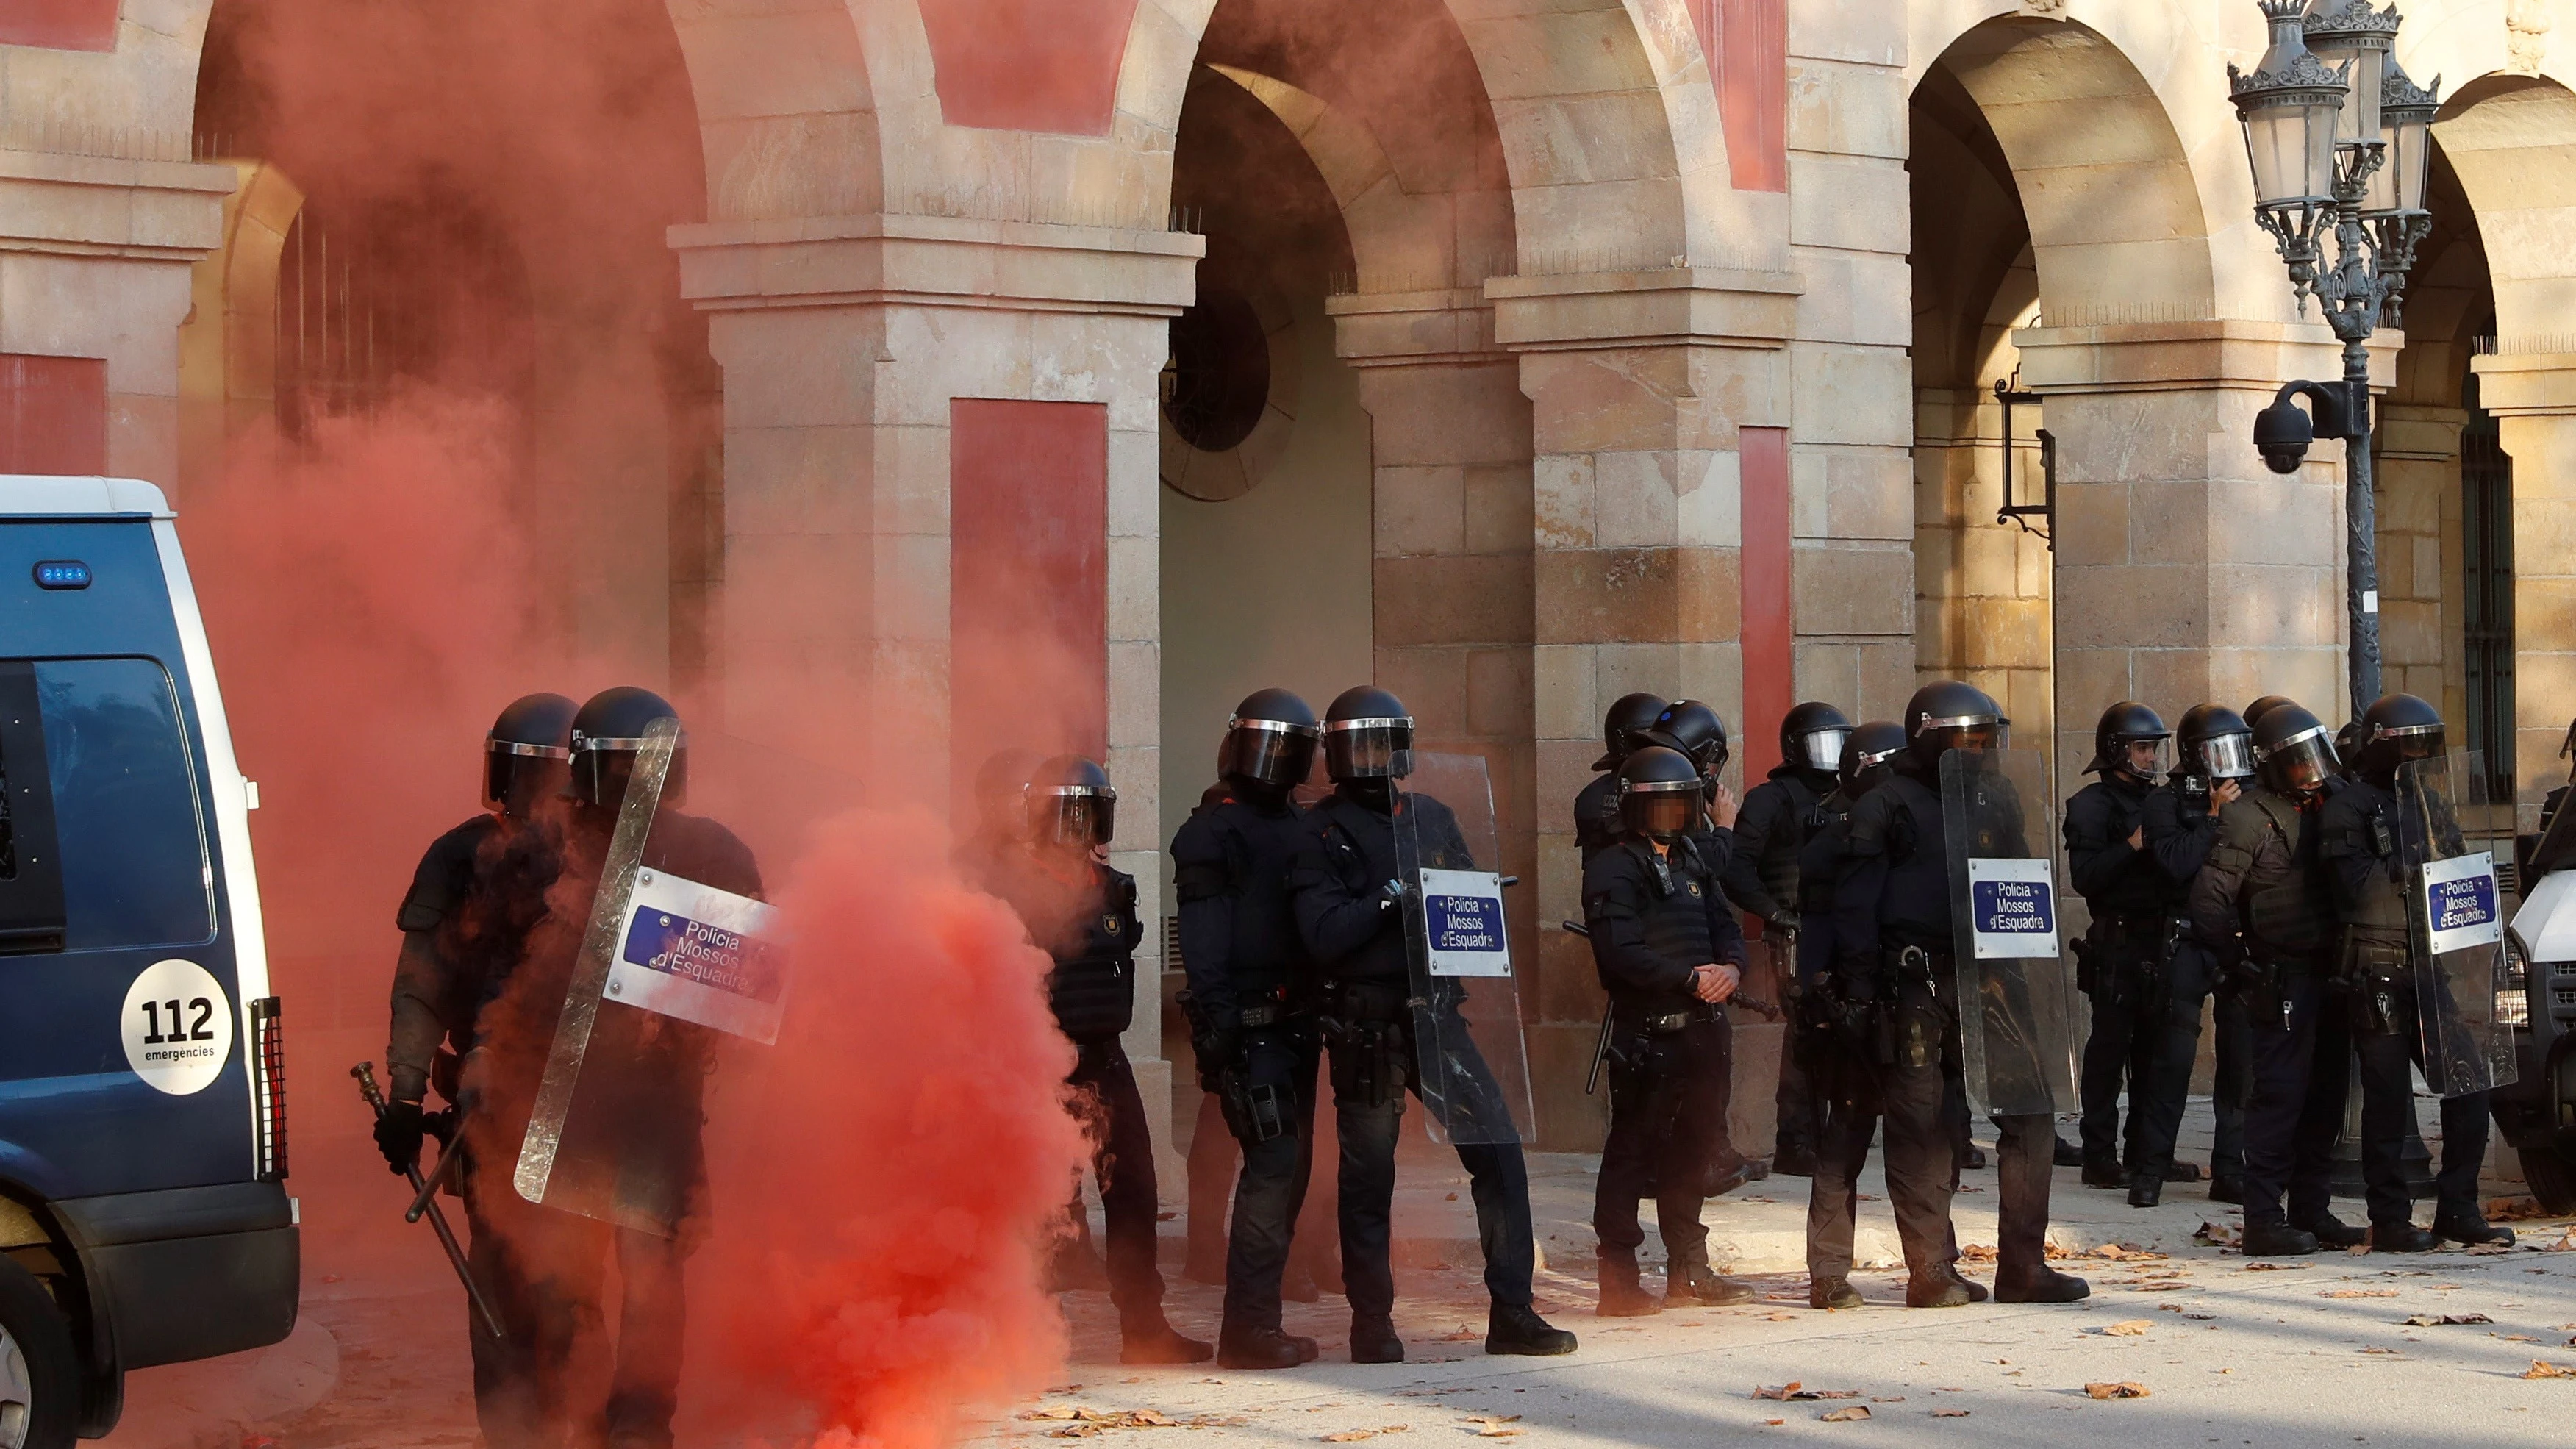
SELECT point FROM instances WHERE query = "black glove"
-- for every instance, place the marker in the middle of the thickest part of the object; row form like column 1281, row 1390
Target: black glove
column 1218, row 1050
column 398, row 1134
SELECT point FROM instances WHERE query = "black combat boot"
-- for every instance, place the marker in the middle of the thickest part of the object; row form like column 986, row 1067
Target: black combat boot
column 2276, row 1240
column 1939, row 1286
column 2401, row 1238
column 1691, row 1283
column 2469, row 1228
column 2105, row 1175
column 1516, row 1328
column 2039, row 1283
column 1159, row 1342
column 1264, row 1348
column 2225, row 1188
column 1622, row 1296
column 2147, row 1191
column 1373, row 1340
column 1832, row 1292
column 2332, row 1232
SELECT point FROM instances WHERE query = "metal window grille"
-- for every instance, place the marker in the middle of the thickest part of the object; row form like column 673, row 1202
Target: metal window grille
column 2486, row 580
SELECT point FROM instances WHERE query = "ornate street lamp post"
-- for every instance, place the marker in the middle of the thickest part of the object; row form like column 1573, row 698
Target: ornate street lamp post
column 2338, row 136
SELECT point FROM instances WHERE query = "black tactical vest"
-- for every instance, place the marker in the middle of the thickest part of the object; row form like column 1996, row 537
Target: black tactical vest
column 2290, row 914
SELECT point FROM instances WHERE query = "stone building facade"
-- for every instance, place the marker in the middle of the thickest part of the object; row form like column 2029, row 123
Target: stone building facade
column 1516, row 353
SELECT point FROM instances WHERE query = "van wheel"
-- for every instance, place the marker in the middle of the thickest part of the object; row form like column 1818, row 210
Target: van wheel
column 2551, row 1175
column 39, row 1377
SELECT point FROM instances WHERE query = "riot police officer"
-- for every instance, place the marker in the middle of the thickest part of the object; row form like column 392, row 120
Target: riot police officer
column 2126, row 959
column 1668, row 952
column 1252, row 1028
column 2373, row 831
column 2263, row 903
column 1778, row 818
column 1843, row 1072
column 1596, row 806
column 1082, row 912
column 479, row 890
column 1001, row 816
column 2213, row 758
column 1347, row 891
column 1896, row 980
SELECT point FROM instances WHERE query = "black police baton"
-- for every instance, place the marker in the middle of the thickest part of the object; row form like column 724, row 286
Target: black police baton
column 425, row 1194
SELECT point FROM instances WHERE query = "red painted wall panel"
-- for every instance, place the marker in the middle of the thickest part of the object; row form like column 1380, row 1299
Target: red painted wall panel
column 1747, row 43
column 59, row 24
column 53, row 414
column 1028, row 580
column 1769, row 627
column 1028, row 65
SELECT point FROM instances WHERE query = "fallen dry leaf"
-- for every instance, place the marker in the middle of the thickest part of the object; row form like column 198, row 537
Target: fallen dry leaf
column 1074, row 1431
column 2356, row 1293
column 2117, row 1391
column 2215, row 1235
column 1353, row 1436
column 2129, row 1328
column 1782, row 1392
column 2540, row 1370
column 2388, row 1351
column 1848, row 1414
column 1981, row 1253
column 1774, row 1423
column 2490, row 1250
column 2271, row 1267
column 2437, row 1320
column 2515, row 1209
column 1491, row 1420
column 1779, row 1318
column 1463, row 1335
column 1949, row 1413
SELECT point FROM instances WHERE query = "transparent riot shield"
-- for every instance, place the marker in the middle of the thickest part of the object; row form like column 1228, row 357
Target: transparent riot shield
column 2448, row 832
column 2017, row 1040
column 1468, row 1047
column 613, row 1129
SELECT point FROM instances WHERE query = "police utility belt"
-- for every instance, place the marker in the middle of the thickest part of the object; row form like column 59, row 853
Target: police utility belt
column 1666, row 1023
column 1369, row 1025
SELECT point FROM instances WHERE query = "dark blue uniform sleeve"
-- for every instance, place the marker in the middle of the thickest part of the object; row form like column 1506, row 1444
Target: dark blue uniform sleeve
column 2179, row 837
column 1615, row 901
column 1858, row 884
column 2095, row 857
column 1767, row 808
column 2344, row 839
column 1204, row 879
column 1337, row 912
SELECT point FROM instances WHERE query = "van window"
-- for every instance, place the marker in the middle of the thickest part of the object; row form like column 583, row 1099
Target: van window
column 129, row 833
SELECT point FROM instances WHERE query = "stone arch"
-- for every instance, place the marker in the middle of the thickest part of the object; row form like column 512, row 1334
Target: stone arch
column 786, row 108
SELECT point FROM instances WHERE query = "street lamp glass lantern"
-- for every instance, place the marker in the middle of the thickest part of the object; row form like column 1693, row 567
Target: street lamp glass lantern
column 2289, row 107
column 2354, row 37
column 2406, row 112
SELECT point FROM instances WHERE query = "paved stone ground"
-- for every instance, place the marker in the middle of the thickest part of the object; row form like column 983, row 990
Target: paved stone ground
column 2315, row 1353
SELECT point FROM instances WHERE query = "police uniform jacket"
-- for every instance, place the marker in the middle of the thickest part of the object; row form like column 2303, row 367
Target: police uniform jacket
column 1337, row 884
column 478, row 891
column 2118, row 881
column 2358, row 834
column 1779, row 816
column 2263, row 889
column 1818, row 863
column 1596, row 815
column 1893, row 887
column 1088, row 925
column 1239, row 941
column 1652, row 920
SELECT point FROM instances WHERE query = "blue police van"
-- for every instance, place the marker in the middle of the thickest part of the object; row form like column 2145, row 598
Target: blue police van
column 143, row 1210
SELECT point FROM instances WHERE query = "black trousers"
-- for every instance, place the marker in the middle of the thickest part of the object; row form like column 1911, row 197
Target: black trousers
column 1916, row 1093
column 1668, row 1105
column 2388, row 1106
column 2300, row 1070
column 2146, row 1029
column 545, row 1272
column 1798, row 1105
column 2232, row 1086
column 1833, row 1193
column 1122, row 1158
column 1498, row 1180
column 1271, row 1189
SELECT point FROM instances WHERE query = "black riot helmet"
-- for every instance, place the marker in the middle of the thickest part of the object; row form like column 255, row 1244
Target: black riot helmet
column 1368, row 736
column 2348, row 746
column 1694, row 729
column 1865, row 759
column 1070, row 804
column 1659, row 793
column 2254, row 712
column 1001, row 783
column 2214, row 744
column 1947, row 715
column 1813, row 736
column 1270, row 741
column 605, row 736
column 2395, row 729
column 524, row 755
column 1632, row 715
column 2121, row 726
column 2292, row 751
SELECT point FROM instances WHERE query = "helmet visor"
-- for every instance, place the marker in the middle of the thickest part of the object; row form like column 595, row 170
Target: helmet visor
column 1072, row 817
column 1268, row 751
column 1973, row 735
column 1825, row 748
column 2299, row 764
column 1664, row 813
column 2148, row 759
column 2415, row 742
column 2228, row 757
column 506, row 762
column 1369, row 749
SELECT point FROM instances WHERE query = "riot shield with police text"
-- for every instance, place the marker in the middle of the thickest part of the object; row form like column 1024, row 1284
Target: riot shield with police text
column 1468, row 1046
column 2017, row 1040
column 613, row 1130
column 2448, row 833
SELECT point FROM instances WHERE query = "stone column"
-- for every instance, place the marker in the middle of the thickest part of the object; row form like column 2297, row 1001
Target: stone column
column 844, row 341
column 2186, row 570
column 2533, row 396
column 2420, row 622
column 1638, row 382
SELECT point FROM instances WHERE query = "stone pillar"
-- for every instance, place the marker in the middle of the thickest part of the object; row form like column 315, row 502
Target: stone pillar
column 2533, row 396
column 844, row 342
column 1638, row 382
column 95, row 259
column 2421, row 650
column 2185, row 569
column 1981, row 582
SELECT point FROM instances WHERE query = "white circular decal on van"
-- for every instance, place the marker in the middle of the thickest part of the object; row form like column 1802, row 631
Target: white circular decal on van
column 178, row 1027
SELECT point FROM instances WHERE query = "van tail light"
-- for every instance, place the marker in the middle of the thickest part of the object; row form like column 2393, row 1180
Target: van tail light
column 268, row 1087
